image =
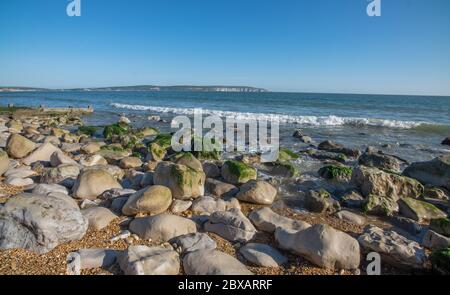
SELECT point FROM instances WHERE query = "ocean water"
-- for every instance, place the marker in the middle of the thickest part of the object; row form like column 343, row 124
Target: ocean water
column 409, row 126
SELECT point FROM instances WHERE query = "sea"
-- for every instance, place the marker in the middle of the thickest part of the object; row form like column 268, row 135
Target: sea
column 411, row 127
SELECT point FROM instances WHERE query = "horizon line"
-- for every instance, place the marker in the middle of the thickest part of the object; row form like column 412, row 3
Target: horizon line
column 218, row 85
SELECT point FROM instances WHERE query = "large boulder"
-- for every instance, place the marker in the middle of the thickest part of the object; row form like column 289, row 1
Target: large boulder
column 334, row 147
column 435, row 172
column 19, row 147
column 321, row 245
column 213, row 262
column 39, row 223
column 441, row 225
column 231, row 225
column 94, row 182
column 266, row 220
column 143, row 260
column 4, row 162
column 394, row 248
column 184, row 182
column 374, row 158
column 42, row 153
column 377, row 182
column 434, row 241
column 236, row 172
column 162, row 227
column 257, row 192
column 152, row 200
column 419, row 210
column 377, row 205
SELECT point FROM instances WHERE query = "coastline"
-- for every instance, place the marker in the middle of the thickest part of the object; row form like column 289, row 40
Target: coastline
column 357, row 194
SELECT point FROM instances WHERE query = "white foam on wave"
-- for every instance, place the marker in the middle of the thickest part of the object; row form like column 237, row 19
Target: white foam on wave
column 281, row 118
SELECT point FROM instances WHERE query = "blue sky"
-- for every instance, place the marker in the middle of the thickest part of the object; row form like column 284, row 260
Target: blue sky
column 288, row 45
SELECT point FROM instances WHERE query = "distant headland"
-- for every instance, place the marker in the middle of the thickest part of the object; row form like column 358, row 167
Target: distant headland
column 180, row 88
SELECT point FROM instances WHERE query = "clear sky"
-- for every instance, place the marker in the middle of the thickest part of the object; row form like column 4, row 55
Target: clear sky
column 282, row 45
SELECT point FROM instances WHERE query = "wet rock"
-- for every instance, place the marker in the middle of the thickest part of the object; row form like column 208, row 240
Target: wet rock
column 257, row 192
column 262, row 255
column 321, row 245
column 213, row 262
column 143, row 260
column 333, row 147
column 231, row 225
column 194, row 242
column 19, row 147
column 92, row 183
column 151, row 200
column 284, row 169
column 39, row 223
column 377, row 205
column 434, row 241
column 441, row 225
column 336, row 172
column 393, row 248
column 208, row 205
column 326, row 156
column 436, row 193
column 320, row 201
column 419, row 210
column 266, row 220
column 162, row 227
column 98, row 217
column 435, row 172
column 377, row 159
column 353, row 199
column 235, row 172
column 406, row 224
column 303, row 138
column 220, row 189
column 183, row 181
column 377, row 182
column 446, row 141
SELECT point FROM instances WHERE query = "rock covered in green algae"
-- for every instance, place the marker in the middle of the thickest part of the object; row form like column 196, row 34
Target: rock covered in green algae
column 336, row 172
column 183, row 181
column 236, row 172
column 419, row 210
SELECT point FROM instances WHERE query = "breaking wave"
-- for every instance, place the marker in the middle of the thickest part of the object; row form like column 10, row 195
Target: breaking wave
column 282, row 118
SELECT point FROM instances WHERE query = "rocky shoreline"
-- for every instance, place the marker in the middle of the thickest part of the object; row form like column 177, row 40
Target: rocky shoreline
column 117, row 200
